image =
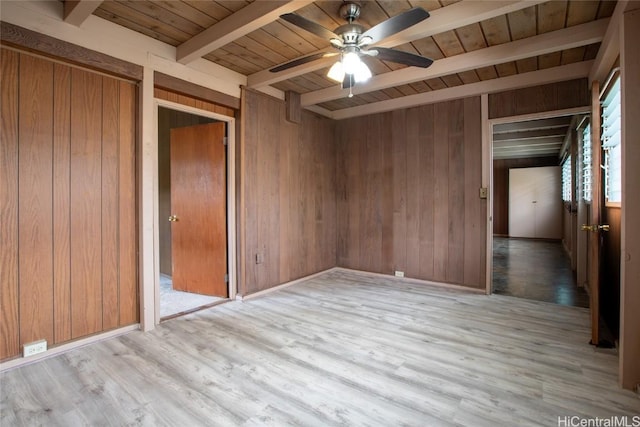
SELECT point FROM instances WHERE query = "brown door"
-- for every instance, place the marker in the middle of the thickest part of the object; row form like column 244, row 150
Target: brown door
column 198, row 209
column 597, row 200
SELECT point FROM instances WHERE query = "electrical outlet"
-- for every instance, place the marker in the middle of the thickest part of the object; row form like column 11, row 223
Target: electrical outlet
column 259, row 258
column 399, row 273
column 34, row 348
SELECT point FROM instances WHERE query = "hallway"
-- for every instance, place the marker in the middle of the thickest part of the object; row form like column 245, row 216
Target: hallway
column 535, row 269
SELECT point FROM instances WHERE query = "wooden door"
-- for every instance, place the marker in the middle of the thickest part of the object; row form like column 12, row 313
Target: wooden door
column 198, row 209
column 597, row 201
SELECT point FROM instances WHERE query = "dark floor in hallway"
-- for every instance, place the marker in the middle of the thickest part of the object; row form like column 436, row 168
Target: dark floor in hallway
column 535, row 269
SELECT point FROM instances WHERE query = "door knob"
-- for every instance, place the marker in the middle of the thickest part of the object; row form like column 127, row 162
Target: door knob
column 595, row 227
column 173, row 218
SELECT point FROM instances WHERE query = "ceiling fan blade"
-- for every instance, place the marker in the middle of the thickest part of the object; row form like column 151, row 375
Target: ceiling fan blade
column 396, row 24
column 300, row 61
column 348, row 81
column 402, row 57
column 309, row 26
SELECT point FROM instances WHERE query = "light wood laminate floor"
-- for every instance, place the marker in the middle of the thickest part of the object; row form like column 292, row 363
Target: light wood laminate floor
column 340, row 349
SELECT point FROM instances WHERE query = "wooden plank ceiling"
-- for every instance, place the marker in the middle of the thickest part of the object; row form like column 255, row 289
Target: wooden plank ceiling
column 532, row 138
column 470, row 41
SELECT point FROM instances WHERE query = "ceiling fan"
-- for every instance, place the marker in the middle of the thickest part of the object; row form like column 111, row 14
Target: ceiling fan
column 354, row 42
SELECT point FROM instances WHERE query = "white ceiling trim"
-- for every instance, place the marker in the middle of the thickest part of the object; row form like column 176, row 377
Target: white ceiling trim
column 567, row 38
column 444, row 19
column 244, row 21
column 549, row 75
column 77, row 11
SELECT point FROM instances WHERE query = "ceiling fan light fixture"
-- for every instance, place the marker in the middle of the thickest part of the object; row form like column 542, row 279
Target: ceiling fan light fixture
column 336, row 72
column 351, row 62
column 362, row 73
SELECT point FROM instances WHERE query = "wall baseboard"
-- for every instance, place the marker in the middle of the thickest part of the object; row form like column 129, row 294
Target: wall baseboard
column 282, row 286
column 63, row 348
column 450, row 286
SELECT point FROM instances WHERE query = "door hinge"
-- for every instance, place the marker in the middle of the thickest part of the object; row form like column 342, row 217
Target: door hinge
column 225, row 140
column 226, row 278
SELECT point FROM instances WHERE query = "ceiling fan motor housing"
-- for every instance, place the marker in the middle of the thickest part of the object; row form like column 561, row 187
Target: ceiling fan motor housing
column 350, row 11
column 350, row 33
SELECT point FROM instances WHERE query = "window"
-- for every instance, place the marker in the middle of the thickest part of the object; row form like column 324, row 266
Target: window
column 586, row 163
column 566, row 180
column 611, row 121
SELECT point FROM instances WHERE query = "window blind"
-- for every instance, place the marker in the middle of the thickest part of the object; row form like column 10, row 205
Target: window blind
column 611, row 137
column 566, row 180
column 586, row 163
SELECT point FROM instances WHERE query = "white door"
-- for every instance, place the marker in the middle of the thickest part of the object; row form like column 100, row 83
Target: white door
column 535, row 203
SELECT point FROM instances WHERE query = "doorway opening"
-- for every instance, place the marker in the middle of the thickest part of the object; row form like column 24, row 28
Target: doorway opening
column 192, row 212
column 534, row 239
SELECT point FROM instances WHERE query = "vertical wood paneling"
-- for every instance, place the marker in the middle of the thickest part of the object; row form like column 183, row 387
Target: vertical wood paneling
column 35, row 201
column 61, row 203
column 287, row 203
column 475, row 209
column 399, row 180
column 370, row 216
column 86, row 199
column 127, row 205
column 441, row 192
column 424, row 168
column 407, row 175
column 9, row 301
column 287, row 194
column 549, row 97
column 387, row 194
column 110, row 206
column 432, row 209
column 268, row 197
column 455, row 258
column 67, row 179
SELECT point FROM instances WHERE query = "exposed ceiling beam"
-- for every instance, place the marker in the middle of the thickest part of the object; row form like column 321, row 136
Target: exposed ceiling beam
column 555, row 41
column 444, row 19
column 248, row 19
column 533, row 134
column 549, row 75
column 77, row 11
column 529, row 143
column 550, row 150
column 498, row 156
column 530, row 125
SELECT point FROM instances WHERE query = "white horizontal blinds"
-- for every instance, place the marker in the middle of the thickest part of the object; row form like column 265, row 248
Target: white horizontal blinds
column 586, row 163
column 566, row 180
column 611, row 136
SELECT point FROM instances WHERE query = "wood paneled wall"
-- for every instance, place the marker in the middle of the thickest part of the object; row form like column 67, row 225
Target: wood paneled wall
column 288, row 205
column 408, row 193
column 550, row 97
column 67, row 176
column 501, row 187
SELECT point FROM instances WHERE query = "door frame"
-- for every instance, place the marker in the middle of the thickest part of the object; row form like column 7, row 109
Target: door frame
column 230, row 124
column 487, row 167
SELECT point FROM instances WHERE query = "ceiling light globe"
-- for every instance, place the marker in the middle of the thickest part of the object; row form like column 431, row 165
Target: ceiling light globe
column 351, row 61
column 362, row 73
column 336, row 72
